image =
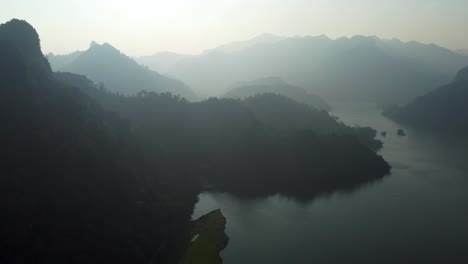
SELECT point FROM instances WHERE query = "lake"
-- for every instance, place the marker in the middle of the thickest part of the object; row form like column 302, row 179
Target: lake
column 418, row 214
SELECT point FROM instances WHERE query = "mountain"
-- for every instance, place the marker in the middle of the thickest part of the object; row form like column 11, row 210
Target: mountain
column 444, row 109
column 440, row 59
column 276, row 85
column 59, row 61
column 358, row 68
column 263, row 39
column 462, row 52
column 21, row 48
column 105, row 64
column 161, row 61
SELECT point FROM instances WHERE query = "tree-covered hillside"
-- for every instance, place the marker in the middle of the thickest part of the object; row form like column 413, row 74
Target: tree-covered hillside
column 444, row 109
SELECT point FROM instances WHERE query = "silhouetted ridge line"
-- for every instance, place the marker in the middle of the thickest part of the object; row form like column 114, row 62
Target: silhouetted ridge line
column 359, row 68
column 107, row 65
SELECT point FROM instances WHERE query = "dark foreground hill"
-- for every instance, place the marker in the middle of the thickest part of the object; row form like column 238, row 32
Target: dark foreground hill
column 444, row 109
column 74, row 184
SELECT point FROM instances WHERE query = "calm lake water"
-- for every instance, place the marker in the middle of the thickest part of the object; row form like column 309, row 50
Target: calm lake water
column 418, row 214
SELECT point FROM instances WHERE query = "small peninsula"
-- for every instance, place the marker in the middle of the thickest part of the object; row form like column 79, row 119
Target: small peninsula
column 209, row 239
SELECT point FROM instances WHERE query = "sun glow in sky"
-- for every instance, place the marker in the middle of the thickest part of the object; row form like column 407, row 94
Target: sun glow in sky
column 143, row 27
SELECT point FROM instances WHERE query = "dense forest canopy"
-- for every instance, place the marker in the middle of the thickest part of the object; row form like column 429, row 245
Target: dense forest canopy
column 228, row 138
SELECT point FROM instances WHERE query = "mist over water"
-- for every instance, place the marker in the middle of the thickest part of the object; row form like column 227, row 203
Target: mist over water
column 417, row 215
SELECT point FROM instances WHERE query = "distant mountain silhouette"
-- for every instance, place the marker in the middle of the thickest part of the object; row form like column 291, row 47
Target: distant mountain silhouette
column 276, row 85
column 119, row 73
column 57, row 62
column 443, row 110
column 263, row 39
column 161, row 61
column 462, row 52
column 357, row 68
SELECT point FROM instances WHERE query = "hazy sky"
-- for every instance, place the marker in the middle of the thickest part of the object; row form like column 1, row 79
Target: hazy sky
column 141, row 27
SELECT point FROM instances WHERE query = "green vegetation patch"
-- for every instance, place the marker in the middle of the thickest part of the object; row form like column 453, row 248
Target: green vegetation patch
column 209, row 239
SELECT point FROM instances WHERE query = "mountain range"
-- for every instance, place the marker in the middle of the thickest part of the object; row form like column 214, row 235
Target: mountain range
column 358, row 68
column 118, row 72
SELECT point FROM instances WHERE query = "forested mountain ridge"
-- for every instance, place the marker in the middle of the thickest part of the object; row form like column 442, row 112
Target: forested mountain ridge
column 105, row 64
column 239, row 146
column 217, row 135
column 277, row 86
column 444, row 109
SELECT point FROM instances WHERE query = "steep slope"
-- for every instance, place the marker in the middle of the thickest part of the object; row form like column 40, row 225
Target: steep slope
column 105, row 64
column 22, row 40
column 444, row 109
column 277, row 86
column 73, row 185
column 358, row 68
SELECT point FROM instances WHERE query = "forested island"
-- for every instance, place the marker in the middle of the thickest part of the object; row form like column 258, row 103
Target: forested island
column 92, row 176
